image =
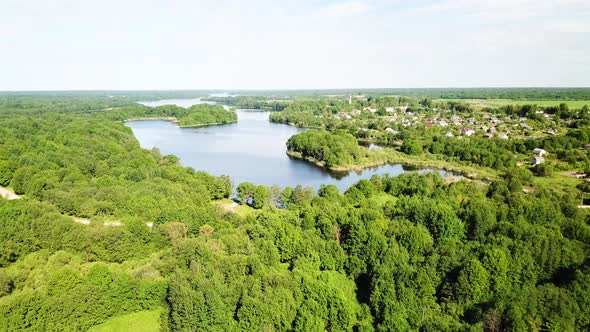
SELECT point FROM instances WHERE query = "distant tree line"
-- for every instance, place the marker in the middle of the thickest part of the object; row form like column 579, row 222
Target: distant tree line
column 196, row 115
column 248, row 102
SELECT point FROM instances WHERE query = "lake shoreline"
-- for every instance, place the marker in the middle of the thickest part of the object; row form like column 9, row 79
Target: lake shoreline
column 466, row 171
column 296, row 126
column 340, row 168
column 419, row 164
column 253, row 150
column 175, row 120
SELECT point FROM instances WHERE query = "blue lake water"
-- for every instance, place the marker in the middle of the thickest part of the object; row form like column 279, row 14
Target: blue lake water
column 253, row 149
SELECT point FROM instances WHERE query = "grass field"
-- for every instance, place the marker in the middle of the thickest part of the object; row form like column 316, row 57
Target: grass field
column 557, row 182
column 481, row 103
column 229, row 206
column 144, row 321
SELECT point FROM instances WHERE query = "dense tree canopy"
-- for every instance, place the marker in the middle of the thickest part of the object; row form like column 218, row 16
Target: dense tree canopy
column 333, row 149
column 412, row 252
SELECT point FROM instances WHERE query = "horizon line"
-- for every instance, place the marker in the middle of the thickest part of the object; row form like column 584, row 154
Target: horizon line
column 297, row 89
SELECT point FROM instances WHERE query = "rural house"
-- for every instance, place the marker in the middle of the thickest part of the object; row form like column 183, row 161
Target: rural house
column 539, row 152
column 537, row 161
column 467, row 131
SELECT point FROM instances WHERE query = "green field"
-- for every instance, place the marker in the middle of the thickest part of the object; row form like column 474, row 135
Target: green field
column 481, row 103
column 144, row 321
column 226, row 205
column 557, row 182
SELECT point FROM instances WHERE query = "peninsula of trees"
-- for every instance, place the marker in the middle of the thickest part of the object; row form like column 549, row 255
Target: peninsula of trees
column 326, row 149
column 194, row 116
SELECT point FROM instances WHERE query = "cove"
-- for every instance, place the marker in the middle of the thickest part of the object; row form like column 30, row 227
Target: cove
column 253, row 150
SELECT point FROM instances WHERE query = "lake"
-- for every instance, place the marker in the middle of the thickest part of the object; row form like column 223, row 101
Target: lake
column 253, row 149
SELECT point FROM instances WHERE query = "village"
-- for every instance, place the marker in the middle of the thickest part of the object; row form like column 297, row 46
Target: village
column 451, row 123
column 391, row 121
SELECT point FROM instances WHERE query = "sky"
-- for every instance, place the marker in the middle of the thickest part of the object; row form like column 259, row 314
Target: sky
column 292, row 44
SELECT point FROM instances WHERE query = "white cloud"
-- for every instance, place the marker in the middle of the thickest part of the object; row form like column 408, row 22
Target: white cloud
column 507, row 10
column 345, row 9
column 67, row 44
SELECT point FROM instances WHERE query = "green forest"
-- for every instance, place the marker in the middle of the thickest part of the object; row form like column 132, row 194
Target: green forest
column 331, row 149
column 194, row 116
column 406, row 253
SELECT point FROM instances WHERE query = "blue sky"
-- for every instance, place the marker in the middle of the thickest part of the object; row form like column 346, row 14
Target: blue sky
column 263, row 44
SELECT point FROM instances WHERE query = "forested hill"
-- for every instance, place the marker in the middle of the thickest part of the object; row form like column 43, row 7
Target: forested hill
column 390, row 254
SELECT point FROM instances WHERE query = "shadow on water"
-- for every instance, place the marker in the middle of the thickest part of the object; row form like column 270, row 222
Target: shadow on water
column 338, row 175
